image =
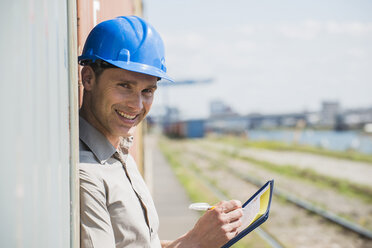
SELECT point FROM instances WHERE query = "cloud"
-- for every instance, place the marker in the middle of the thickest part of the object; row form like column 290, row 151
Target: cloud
column 188, row 40
column 248, row 30
column 204, row 54
column 307, row 30
column 349, row 28
column 356, row 52
column 311, row 29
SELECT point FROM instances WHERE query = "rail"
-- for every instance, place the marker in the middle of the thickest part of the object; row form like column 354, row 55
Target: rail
column 267, row 237
column 309, row 207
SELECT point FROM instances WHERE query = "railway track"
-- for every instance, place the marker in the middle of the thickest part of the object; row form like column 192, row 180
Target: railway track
column 266, row 236
column 348, row 225
column 332, row 218
column 329, row 216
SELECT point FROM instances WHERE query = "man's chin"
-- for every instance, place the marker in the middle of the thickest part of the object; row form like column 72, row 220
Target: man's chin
column 127, row 132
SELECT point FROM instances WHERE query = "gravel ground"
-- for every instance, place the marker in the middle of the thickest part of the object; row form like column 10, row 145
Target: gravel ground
column 294, row 227
column 356, row 172
column 353, row 209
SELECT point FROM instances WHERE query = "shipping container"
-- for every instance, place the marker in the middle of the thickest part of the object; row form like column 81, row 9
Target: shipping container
column 185, row 129
column 39, row 114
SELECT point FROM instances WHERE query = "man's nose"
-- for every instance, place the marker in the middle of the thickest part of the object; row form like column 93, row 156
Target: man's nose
column 136, row 102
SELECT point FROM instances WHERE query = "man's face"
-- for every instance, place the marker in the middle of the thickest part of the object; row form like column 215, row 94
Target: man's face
column 119, row 100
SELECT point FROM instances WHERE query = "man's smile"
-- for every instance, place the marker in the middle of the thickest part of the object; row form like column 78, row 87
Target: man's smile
column 127, row 116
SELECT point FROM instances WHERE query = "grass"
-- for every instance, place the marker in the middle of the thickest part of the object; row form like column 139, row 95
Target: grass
column 281, row 146
column 197, row 190
column 340, row 185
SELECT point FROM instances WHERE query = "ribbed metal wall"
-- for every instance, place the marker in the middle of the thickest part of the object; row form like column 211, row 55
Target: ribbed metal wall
column 34, row 134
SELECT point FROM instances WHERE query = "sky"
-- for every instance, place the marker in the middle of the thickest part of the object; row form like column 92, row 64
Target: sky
column 265, row 56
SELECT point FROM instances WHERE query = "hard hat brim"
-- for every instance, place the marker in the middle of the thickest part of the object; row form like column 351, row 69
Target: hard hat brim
column 131, row 66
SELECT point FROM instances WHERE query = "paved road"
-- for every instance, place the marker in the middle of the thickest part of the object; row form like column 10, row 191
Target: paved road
column 170, row 198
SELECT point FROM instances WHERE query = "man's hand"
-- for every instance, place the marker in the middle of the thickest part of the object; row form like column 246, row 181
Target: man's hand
column 219, row 225
column 213, row 229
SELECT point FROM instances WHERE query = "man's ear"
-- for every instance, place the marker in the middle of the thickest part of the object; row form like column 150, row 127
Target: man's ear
column 88, row 78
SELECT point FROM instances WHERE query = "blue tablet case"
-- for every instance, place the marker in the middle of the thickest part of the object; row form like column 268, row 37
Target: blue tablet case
column 257, row 222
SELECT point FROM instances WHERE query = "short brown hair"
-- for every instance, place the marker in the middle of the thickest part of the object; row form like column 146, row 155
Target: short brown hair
column 98, row 66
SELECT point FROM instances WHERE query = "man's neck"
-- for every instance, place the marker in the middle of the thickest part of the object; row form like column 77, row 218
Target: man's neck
column 115, row 141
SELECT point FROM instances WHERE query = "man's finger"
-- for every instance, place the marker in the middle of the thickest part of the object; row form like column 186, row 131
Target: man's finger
column 235, row 215
column 235, row 225
column 231, row 205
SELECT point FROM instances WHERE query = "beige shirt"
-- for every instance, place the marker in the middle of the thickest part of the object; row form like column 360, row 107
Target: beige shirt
column 115, row 211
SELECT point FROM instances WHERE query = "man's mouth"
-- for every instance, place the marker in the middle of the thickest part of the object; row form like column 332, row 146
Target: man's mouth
column 127, row 116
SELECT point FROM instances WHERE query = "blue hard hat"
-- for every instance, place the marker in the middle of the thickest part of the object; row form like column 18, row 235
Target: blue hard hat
column 127, row 42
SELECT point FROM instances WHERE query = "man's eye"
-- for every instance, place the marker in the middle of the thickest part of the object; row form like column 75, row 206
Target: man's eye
column 148, row 92
column 124, row 85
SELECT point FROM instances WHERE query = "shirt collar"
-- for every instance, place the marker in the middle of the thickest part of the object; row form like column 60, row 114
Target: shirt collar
column 97, row 142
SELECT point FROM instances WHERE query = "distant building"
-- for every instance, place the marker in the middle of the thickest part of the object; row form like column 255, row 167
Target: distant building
column 218, row 108
column 329, row 113
column 312, row 119
column 227, row 124
column 356, row 118
column 172, row 114
column 224, row 120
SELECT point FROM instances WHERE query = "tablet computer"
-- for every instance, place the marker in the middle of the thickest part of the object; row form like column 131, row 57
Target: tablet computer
column 255, row 212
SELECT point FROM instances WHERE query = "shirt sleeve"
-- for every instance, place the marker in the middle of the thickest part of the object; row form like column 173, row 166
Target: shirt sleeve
column 95, row 224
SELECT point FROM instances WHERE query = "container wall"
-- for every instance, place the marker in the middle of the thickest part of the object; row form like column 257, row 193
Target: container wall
column 195, row 129
column 73, row 124
column 34, row 107
column 92, row 12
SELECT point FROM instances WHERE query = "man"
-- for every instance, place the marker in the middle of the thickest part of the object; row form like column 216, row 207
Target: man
column 123, row 59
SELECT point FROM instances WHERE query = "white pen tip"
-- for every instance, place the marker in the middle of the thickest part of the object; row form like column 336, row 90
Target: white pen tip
column 200, row 206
